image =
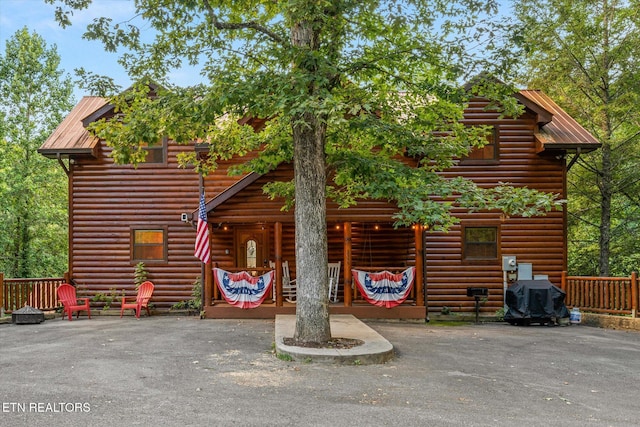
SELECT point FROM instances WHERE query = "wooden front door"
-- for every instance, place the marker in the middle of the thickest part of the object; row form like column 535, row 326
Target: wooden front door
column 252, row 247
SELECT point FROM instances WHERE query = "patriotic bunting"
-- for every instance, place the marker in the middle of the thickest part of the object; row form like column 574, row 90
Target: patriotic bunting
column 242, row 289
column 384, row 288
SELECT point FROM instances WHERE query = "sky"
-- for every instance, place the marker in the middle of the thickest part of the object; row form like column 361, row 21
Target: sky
column 74, row 51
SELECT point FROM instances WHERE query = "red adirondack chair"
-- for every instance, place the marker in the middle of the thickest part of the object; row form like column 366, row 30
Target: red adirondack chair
column 145, row 290
column 67, row 296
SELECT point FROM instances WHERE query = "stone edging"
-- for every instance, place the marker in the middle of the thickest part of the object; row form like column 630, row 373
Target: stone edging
column 610, row 321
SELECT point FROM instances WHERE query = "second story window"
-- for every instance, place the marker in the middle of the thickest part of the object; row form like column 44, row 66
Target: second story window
column 486, row 154
column 157, row 153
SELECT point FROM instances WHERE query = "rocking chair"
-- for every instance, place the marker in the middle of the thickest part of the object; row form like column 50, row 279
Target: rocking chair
column 334, row 280
column 288, row 285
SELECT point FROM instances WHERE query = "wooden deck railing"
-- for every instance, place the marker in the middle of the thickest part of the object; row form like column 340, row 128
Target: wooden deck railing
column 38, row 293
column 609, row 295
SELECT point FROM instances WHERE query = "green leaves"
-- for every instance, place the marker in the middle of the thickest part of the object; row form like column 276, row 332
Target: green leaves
column 377, row 81
column 35, row 96
column 585, row 54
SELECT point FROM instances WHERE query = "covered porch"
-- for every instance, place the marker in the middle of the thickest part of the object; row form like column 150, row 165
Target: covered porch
column 251, row 232
column 260, row 247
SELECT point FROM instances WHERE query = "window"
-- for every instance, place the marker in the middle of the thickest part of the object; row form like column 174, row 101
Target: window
column 486, row 154
column 148, row 244
column 251, row 254
column 480, row 243
column 156, row 153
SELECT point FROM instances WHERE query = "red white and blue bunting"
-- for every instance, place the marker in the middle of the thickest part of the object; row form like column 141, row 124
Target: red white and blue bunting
column 384, row 288
column 242, row 289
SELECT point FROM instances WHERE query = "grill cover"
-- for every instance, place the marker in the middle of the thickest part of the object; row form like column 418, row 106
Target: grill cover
column 534, row 301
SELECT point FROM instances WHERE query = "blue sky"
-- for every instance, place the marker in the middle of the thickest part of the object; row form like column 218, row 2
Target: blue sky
column 74, row 51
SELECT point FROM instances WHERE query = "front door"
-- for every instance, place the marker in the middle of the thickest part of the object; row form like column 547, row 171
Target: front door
column 252, row 247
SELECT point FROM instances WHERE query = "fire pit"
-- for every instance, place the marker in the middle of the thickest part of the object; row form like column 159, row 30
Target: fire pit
column 27, row 315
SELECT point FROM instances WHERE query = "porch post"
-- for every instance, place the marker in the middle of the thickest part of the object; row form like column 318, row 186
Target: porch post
column 634, row 294
column 347, row 264
column 1, row 293
column 419, row 243
column 277, row 231
column 208, row 284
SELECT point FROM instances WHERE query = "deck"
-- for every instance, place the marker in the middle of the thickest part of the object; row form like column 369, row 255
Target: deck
column 222, row 310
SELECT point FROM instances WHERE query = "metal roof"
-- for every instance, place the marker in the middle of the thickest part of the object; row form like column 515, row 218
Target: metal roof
column 71, row 137
column 562, row 132
column 558, row 130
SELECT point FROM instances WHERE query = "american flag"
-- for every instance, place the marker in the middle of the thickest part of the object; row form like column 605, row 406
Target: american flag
column 202, row 237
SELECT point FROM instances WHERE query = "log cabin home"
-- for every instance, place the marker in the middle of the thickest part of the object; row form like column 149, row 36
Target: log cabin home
column 120, row 215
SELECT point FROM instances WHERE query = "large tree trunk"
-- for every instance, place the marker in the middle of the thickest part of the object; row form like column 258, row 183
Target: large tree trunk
column 309, row 130
column 312, row 307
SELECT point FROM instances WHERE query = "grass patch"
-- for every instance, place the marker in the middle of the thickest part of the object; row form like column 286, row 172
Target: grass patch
column 448, row 323
column 284, row 357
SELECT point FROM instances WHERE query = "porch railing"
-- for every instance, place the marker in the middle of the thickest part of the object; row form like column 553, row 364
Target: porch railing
column 38, row 293
column 608, row 295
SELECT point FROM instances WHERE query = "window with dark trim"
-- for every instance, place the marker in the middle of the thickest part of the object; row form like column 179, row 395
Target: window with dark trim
column 148, row 244
column 486, row 154
column 157, row 153
column 480, row 243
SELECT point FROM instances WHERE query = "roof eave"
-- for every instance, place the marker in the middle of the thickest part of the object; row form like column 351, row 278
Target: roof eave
column 52, row 153
column 229, row 193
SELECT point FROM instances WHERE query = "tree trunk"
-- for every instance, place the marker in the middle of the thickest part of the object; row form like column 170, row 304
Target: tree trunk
column 605, row 210
column 312, row 307
column 309, row 130
column 607, row 180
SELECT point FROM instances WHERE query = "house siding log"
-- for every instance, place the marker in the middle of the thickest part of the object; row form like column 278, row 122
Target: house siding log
column 108, row 201
column 539, row 241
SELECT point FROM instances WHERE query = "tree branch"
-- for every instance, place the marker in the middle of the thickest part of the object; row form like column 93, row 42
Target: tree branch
column 583, row 220
column 242, row 25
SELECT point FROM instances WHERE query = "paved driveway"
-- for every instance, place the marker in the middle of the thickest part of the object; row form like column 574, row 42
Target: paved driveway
column 185, row 371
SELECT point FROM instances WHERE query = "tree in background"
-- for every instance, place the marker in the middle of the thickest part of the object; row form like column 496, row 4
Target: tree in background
column 347, row 88
column 586, row 55
column 33, row 190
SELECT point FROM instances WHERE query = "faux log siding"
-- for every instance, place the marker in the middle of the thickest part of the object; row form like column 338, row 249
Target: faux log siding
column 539, row 241
column 108, row 201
